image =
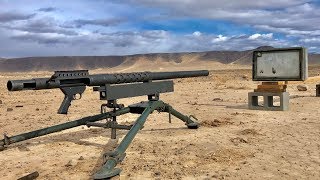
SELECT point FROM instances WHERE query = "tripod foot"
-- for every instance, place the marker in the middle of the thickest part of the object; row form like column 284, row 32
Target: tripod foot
column 193, row 125
column 107, row 174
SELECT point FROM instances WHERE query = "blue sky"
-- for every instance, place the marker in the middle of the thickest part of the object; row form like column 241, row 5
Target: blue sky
column 121, row 27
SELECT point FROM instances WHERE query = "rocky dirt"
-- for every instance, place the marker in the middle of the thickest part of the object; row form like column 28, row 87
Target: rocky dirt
column 232, row 142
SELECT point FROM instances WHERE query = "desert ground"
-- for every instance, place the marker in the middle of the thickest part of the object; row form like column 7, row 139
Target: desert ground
column 232, row 142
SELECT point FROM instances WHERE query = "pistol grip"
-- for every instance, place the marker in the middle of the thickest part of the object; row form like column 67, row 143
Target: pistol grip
column 69, row 95
column 65, row 104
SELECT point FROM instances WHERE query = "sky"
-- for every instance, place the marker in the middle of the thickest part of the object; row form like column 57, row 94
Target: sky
column 123, row 27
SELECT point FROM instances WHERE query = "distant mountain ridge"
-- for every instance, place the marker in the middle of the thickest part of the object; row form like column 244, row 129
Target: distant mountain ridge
column 95, row 62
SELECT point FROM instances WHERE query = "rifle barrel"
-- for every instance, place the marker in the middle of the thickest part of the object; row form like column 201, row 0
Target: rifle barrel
column 99, row 79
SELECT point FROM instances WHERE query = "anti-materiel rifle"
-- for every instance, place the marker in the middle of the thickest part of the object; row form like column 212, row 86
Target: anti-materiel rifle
column 110, row 87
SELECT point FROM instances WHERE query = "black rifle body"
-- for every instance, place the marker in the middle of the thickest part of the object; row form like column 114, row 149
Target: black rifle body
column 83, row 78
column 73, row 83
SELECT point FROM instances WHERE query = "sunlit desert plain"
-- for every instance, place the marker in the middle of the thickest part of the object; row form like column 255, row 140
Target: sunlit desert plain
column 232, row 142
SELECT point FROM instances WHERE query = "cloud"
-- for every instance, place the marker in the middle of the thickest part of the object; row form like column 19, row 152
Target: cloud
column 47, row 9
column 220, row 38
column 10, row 16
column 41, row 38
column 256, row 36
column 296, row 15
column 196, row 33
column 216, row 4
column 311, row 40
column 40, row 25
column 290, row 31
column 99, row 22
column 129, row 42
column 297, row 21
column 145, row 26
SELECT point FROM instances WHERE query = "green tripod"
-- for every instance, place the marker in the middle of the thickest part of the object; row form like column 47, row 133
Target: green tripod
column 145, row 109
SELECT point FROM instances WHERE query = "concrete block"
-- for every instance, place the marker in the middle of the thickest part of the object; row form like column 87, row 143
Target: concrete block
column 268, row 102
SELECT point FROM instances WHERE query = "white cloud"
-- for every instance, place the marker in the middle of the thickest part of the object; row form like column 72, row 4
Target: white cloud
column 196, row 33
column 254, row 36
column 220, row 38
column 56, row 34
column 268, row 36
column 311, row 40
column 231, row 4
column 121, row 43
column 299, row 18
column 257, row 35
column 291, row 32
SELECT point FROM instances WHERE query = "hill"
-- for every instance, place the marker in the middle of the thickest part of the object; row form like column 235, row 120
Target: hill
column 194, row 59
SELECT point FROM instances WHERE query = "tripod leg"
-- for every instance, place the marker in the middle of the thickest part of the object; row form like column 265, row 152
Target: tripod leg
column 60, row 127
column 191, row 124
column 108, row 170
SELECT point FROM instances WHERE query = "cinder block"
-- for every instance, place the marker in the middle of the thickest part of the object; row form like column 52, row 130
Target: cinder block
column 318, row 90
column 268, row 103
